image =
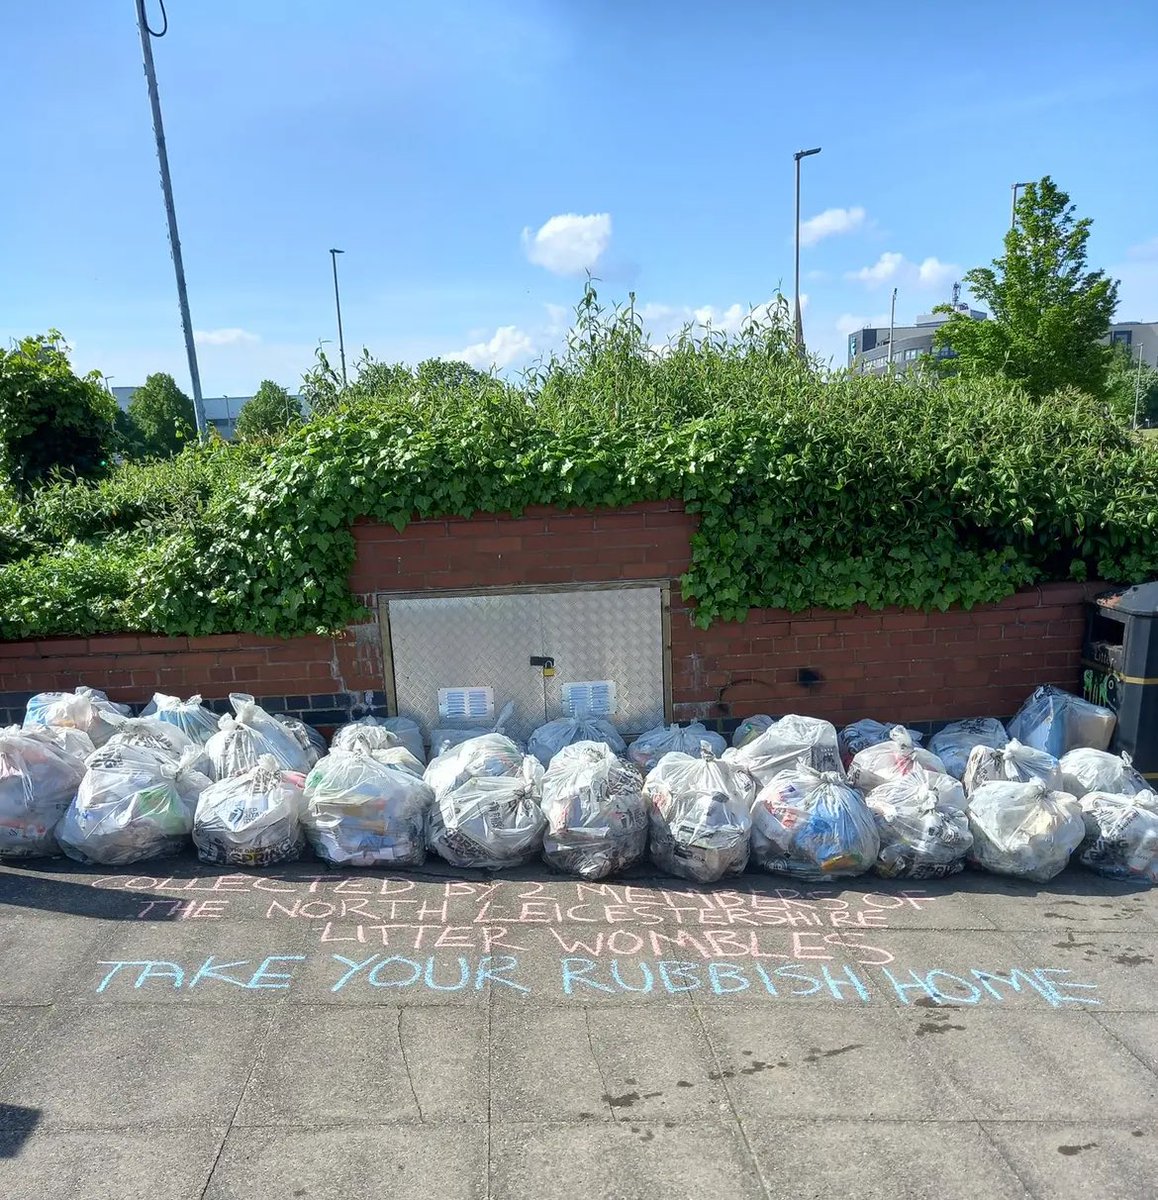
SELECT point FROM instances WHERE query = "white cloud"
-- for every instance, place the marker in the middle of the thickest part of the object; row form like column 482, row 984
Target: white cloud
column 509, row 345
column 829, row 223
column 569, row 244
column 223, row 337
column 664, row 320
column 847, row 323
column 895, row 268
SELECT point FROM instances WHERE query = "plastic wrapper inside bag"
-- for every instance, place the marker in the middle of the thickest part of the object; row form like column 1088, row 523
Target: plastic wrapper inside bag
column 186, row 771
column 1013, row 763
column 190, row 716
column 128, row 808
column 242, row 739
column 650, row 747
column 251, row 820
column 812, row 825
column 38, row 780
column 1057, row 722
column 373, row 732
column 549, row 739
column 363, row 812
column 892, row 759
column 953, row 744
column 860, row 735
column 85, row 709
column 751, row 727
column 783, row 744
column 442, row 740
column 1085, row 771
column 309, row 738
column 1023, row 829
column 1121, row 839
column 163, row 739
column 922, row 826
column 490, row 821
column 699, row 818
column 595, row 810
column 490, row 754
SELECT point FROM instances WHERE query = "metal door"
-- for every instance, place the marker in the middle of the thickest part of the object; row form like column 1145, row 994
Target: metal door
column 599, row 636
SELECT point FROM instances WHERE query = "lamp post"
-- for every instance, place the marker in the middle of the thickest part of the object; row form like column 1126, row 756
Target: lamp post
column 171, row 214
column 799, row 323
column 338, row 305
column 1013, row 206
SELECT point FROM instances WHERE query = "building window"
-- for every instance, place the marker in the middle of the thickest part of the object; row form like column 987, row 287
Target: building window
column 1121, row 337
column 851, row 346
column 911, row 355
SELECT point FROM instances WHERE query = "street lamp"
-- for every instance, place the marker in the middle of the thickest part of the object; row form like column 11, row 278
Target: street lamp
column 338, row 305
column 799, row 324
column 1013, row 206
column 892, row 326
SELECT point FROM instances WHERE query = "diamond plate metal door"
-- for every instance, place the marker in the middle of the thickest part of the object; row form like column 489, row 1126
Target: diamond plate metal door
column 613, row 634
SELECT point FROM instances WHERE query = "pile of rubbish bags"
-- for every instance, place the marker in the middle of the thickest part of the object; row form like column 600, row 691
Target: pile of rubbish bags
column 792, row 796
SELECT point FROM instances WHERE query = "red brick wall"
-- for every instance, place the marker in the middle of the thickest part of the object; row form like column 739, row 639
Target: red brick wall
column 894, row 665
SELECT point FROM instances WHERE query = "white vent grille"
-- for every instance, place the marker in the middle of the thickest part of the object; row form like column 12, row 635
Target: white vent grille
column 595, row 698
column 466, row 703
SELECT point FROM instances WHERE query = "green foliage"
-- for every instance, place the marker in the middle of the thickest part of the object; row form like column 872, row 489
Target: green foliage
column 52, row 422
column 160, row 419
column 268, row 414
column 810, row 490
column 1047, row 311
column 1129, row 390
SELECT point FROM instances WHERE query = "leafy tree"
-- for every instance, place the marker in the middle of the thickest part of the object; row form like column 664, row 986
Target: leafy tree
column 1125, row 386
column 162, row 416
column 52, row 421
column 1047, row 311
column 269, row 413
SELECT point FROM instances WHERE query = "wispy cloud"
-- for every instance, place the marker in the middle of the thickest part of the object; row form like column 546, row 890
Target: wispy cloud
column 224, row 337
column 568, row 244
column 848, row 323
column 829, row 223
column 893, row 267
column 1144, row 251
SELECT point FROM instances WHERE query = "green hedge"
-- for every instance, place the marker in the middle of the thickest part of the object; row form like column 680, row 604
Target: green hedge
column 811, row 490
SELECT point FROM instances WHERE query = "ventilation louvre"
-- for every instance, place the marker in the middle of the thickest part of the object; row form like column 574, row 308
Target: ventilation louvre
column 593, row 698
column 466, row 703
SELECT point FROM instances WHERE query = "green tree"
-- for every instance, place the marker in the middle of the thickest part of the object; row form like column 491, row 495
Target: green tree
column 1126, row 386
column 1047, row 311
column 162, row 416
column 269, row 413
column 52, row 421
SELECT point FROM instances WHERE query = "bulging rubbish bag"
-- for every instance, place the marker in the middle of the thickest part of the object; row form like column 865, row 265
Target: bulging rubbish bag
column 1023, row 829
column 128, row 808
column 38, row 780
column 700, row 823
column 168, row 741
column 190, row 716
column 783, row 744
column 363, row 812
column 650, row 747
column 860, row 735
column 85, row 709
column 1085, row 771
column 956, row 741
column 812, row 825
column 72, row 741
column 892, row 759
column 595, row 810
column 242, row 739
column 549, row 739
column 1057, row 722
column 1121, row 839
column 309, row 738
column 365, row 734
column 252, row 819
column 402, row 729
column 1013, row 763
column 751, row 727
column 490, row 754
column 922, row 826
column 490, row 821
column 442, row 740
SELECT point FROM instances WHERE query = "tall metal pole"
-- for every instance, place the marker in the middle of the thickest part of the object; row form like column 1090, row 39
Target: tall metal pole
column 171, row 215
column 892, row 325
column 1013, row 205
column 338, row 305
column 799, row 322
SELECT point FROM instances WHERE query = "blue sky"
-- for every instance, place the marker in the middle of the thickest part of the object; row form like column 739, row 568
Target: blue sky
column 473, row 158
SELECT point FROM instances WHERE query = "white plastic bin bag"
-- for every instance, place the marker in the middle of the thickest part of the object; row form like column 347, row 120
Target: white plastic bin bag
column 1121, row 839
column 251, row 820
column 1085, row 771
column 85, row 709
column 490, row 821
column 309, row 738
column 783, row 744
column 650, row 747
column 1023, row 829
column 242, row 739
column 489, row 754
column 1057, row 722
column 751, row 727
column 595, row 810
column 892, row 759
column 860, row 735
column 812, row 825
column 442, row 740
column 549, row 739
column 1013, row 763
column 700, row 821
column 363, row 812
column 922, row 826
column 190, row 716
column 38, row 780
column 365, row 734
column 953, row 744
column 168, row 741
